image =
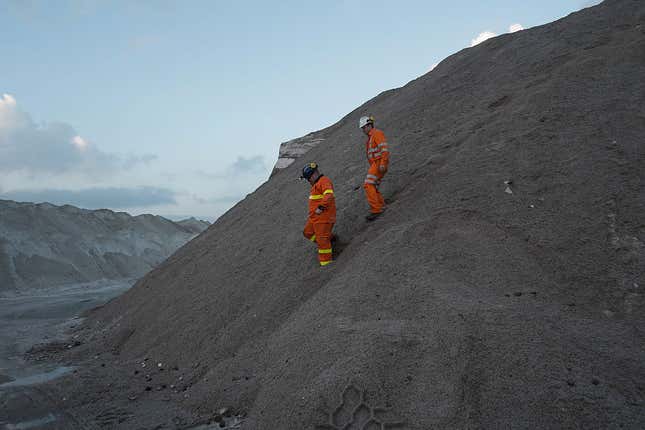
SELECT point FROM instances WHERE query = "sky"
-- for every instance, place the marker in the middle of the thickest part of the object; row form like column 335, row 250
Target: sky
column 179, row 108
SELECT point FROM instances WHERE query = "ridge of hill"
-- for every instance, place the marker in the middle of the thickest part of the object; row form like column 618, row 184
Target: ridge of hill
column 43, row 245
column 463, row 306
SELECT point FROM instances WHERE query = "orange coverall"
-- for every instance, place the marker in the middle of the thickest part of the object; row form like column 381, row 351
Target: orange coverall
column 319, row 226
column 378, row 154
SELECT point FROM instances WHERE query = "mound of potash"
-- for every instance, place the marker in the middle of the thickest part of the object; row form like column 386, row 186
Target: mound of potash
column 43, row 245
column 503, row 287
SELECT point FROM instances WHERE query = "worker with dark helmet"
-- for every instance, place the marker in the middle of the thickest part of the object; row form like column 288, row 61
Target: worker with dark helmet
column 322, row 212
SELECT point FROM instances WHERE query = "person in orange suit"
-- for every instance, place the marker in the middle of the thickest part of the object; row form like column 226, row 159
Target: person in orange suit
column 378, row 156
column 322, row 212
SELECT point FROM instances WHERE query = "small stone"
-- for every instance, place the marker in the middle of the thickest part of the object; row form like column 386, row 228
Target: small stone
column 222, row 411
column 143, row 364
column 517, row 293
column 132, row 398
column 159, row 365
column 148, row 388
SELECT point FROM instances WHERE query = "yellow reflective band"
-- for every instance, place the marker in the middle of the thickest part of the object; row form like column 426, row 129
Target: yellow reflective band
column 315, row 197
column 324, row 263
column 329, row 192
column 324, row 251
column 313, row 238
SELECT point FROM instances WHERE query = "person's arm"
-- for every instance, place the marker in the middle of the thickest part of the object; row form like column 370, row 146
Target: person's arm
column 380, row 140
column 328, row 194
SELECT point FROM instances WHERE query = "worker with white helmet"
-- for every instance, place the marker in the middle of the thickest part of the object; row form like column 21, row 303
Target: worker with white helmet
column 378, row 157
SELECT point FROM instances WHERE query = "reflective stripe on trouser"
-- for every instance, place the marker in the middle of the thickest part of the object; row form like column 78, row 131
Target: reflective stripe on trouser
column 374, row 197
column 321, row 234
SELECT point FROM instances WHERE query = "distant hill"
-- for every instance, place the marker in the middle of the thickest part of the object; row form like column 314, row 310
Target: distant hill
column 43, row 245
column 193, row 224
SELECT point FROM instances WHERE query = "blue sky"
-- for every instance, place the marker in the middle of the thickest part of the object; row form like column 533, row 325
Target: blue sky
column 179, row 108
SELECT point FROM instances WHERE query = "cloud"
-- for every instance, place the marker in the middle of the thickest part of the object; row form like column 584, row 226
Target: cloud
column 482, row 37
column 485, row 35
column 96, row 198
column 515, row 27
column 243, row 165
column 52, row 148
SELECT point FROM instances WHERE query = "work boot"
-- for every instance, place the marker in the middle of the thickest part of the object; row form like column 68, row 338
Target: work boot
column 373, row 216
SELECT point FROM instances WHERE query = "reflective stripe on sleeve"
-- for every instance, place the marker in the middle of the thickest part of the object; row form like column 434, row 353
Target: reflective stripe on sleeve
column 315, row 197
column 369, row 176
column 324, row 251
column 328, row 192
column 313, row 238
column 324, row 263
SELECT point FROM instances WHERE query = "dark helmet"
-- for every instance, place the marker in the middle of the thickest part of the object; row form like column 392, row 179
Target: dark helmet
column 309, row 170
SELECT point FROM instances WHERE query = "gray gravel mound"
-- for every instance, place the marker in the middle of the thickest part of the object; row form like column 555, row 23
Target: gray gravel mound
column 502, row 288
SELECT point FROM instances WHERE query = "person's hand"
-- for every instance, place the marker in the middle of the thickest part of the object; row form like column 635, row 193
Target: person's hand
column 318, row 211
column 382, row 168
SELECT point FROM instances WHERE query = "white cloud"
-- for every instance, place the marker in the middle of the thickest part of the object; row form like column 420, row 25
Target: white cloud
column 80, row 143
column 8, row 100
column 482, row 37
column 51, row 148
column 515, row 27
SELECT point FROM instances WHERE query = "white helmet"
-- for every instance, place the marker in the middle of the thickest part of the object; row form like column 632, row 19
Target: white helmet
column 365, row 120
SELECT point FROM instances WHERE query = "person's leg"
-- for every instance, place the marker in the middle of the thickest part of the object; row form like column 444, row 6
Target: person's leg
column 323, row 239
column 308, row 232
column 374, row 197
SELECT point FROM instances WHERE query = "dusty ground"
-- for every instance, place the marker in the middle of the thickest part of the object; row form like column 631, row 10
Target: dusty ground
column 30, row 320
column 464, row 306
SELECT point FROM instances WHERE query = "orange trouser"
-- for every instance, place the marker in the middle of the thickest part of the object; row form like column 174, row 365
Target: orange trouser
column 372, row 181
column 321, row 234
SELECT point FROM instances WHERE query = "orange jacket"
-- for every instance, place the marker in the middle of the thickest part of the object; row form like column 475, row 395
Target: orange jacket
column 376, row 148
column 322, row 196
